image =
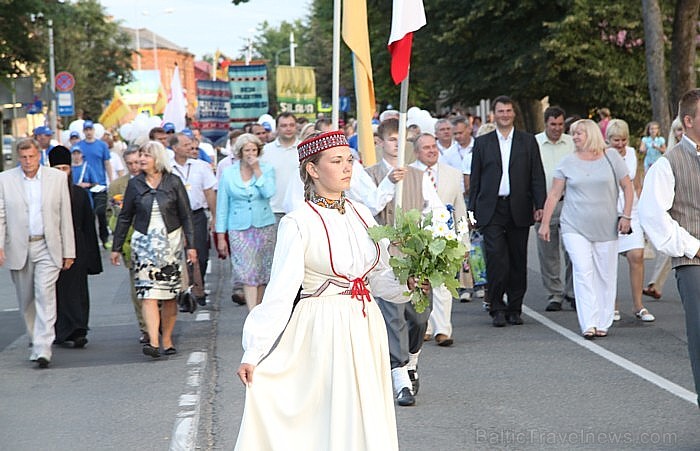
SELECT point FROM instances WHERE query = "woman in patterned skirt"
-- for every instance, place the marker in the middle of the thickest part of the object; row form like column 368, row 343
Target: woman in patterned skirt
column 157, row 204
column 243, row 210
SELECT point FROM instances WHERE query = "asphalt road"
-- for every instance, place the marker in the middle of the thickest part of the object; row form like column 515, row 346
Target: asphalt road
column 536, row 386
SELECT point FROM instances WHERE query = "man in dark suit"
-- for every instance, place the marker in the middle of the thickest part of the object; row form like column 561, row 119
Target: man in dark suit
column 505, row 204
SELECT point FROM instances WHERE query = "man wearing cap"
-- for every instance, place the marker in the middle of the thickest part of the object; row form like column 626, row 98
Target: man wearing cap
column 96, row 155
column 43, row 135
column 200, row 184
column 36, row 242
column 282, row 155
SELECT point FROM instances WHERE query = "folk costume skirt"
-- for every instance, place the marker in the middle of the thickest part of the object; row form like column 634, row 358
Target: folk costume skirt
column 326, row 386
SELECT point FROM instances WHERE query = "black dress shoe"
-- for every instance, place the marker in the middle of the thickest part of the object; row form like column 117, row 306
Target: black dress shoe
column 405, row 397
column 151, row 351
column 413, row 375
column 170, row 351
column 144, row 338
column 499, row 319
column 43, row 362
column 80, row 342
column 553, row 306
column 514, row 319
column 238, row 298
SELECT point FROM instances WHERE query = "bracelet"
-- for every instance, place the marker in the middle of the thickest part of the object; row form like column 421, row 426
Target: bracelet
column 629, row 218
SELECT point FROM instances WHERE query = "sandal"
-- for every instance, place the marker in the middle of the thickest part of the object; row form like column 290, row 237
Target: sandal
column 645, row 316
column 150, row 350
column 616, row 315
column 652, row 292
column 590, row 333
column 601, row 333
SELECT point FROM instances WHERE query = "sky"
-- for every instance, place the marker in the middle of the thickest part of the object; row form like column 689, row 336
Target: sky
column 205, row 25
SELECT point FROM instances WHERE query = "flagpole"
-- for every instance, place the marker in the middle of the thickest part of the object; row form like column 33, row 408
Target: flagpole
column 403, row 107
column 335, row 101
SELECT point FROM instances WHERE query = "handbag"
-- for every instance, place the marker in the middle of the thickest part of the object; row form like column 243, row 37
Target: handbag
column 194, row 294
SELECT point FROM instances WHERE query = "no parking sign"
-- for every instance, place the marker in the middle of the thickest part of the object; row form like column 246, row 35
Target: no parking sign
column 64, row 81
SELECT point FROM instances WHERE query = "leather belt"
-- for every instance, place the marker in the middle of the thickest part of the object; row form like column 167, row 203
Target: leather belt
column 33, row 238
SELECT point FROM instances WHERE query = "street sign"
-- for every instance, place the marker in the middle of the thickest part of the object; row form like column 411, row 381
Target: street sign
column 64, row 82
column 344, row 104
column 65, row 102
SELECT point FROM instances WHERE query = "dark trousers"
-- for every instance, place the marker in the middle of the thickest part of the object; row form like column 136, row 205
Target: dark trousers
column 405, row 329
column 505, row 245
column 201, row 239
column 688, row 280
column 99, row 201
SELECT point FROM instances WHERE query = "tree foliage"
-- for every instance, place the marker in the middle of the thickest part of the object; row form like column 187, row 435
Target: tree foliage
column 86, row 44
column 19, row 46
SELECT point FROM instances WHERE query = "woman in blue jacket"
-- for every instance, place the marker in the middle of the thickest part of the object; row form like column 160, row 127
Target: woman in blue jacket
column 243, row 210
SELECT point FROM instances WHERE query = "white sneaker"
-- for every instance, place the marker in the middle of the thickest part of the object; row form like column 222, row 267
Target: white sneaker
column 616, row 315
column 480, row 293
column 465, row 296
column 645, row 316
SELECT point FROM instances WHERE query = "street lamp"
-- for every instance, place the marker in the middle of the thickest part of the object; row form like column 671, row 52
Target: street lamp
column 53, row 121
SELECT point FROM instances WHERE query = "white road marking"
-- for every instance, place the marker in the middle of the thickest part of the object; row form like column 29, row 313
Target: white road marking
column 203, row 316
column 15, row 309
column 620, row 361
column 184, row 437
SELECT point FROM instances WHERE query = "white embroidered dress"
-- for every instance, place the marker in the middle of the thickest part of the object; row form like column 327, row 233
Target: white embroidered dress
column 327, row 384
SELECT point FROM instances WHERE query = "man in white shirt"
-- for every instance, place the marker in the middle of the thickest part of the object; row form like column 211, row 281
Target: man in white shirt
column 554, row 145
column 447, row 181
column 462, row 149
column 669, row 211
column 282, row 155
column 36, row 242
column 443, row 133
column 200, row 184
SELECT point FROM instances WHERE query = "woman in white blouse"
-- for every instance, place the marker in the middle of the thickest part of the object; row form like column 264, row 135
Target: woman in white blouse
column 326, row 383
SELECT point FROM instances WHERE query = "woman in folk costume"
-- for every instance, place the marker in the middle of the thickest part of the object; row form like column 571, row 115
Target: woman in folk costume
column 326, row 385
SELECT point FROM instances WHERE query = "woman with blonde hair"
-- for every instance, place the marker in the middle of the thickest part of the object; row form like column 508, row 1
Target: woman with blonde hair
column 589, row 222
column 243, row 210
column 630, row 245
column 317, row 370
column 156, row 203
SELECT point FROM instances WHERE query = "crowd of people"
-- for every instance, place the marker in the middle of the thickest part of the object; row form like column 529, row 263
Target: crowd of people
column 291, row 205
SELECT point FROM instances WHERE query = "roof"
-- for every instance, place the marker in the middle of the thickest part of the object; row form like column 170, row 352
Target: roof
column 146, row 38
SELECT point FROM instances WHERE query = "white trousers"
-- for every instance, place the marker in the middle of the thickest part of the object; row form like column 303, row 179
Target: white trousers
column 440, row 321
column 595, row 279
column 35, row 285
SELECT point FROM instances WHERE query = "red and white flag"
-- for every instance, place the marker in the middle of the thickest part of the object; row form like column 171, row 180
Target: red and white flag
column 407, row 16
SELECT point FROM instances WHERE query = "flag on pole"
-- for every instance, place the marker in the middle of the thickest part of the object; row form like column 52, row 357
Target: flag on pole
column 116, row 110
column 356, row 36
column 407, row 16
column 175, row 110
column 161, row 101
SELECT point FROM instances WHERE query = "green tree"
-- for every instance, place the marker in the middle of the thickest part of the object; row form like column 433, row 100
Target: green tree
column 19, row 47
column 94, row 50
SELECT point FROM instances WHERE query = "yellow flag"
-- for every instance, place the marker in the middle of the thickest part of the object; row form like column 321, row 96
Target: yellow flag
column 116, row 110
column 161, row 101
column 356, row 36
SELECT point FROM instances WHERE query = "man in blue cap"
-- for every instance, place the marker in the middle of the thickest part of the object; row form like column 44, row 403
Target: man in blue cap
column 169, row 128
column 73, row 139
column 96, row 154
column 43, row 135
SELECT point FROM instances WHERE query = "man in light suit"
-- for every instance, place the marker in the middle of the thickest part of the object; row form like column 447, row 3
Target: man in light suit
column 506, row 202
column 36, row 241
column 448, row 183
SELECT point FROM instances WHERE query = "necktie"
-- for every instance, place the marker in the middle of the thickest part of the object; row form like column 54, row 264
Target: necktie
column 431, row 174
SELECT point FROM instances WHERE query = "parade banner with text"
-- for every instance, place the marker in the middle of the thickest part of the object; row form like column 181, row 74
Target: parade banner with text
column 248, row 92
column 296, row 90
column 213, row 108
